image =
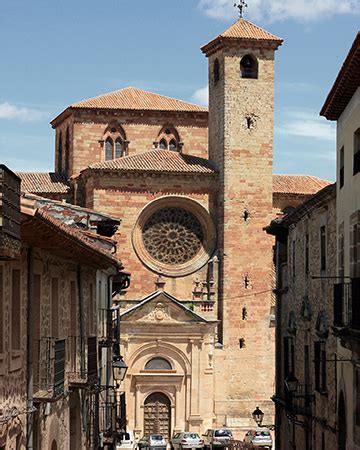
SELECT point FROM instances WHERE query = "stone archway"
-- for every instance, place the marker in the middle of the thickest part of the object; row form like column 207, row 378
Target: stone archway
column 54, row 445
column 342, row 423
column 157, row 414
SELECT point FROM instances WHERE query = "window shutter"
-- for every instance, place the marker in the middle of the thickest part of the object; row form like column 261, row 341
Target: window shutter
column 338, row 304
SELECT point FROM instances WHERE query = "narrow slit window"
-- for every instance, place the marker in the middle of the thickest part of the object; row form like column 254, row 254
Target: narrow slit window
column 341, row 170
column 216, row 71
column 357, row 151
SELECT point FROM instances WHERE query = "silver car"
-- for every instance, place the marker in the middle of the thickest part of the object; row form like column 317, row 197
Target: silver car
column 260, row 437
column 217, row 438
column 186, row 440
column 153, row 441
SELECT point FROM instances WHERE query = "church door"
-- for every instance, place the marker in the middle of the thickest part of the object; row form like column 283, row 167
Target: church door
column 157, row 414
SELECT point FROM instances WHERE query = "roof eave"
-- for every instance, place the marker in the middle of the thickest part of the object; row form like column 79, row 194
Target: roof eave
column 329, row 109
column 219, row 42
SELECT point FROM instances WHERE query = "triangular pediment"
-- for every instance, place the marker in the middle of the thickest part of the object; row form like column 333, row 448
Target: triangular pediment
column 161, row 308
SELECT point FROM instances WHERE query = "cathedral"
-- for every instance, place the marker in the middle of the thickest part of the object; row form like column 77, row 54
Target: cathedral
column 193, row 188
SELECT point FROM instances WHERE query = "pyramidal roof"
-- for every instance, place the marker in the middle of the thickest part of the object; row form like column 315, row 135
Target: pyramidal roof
column 131, row 98
column 134, row 98
column 244, row 30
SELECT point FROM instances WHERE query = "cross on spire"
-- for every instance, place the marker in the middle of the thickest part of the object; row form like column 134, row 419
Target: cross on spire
column 242, row 4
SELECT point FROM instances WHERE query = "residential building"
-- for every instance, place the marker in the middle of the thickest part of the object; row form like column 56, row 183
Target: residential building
column 56, row 324
column 343, row 106
column 305, row 259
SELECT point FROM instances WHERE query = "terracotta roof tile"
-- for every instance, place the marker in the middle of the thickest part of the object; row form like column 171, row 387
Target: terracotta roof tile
column 159, row 161
column 137, row 99
column 245, row 30
column 43, row 182
column 76, row 235
column 297, row 184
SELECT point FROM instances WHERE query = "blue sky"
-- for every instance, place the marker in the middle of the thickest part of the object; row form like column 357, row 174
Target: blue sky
column 56, row 52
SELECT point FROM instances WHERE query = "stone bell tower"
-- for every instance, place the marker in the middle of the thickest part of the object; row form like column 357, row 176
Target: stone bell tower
column 241, row 109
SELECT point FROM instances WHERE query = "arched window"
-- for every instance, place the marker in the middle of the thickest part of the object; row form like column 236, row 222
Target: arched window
column 108, row 149
column 216, row 71
column 173, row 145
column 115, row 143
column 248, row 67
column 163, row 144
column 118, row 148
column 158, row 363
column 60, row 153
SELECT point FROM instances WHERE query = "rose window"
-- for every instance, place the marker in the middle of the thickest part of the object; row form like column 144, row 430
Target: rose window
column 173, row 235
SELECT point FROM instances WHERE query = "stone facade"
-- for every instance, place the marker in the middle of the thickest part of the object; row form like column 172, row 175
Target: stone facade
column 344, row 108
column 305, row 345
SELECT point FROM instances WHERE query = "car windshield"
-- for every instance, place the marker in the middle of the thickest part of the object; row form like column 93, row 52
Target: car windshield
column 191, row 435
column 219, row 433
column 263, row 433
column 157, row 437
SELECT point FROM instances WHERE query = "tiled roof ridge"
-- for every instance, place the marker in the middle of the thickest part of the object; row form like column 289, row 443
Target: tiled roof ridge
column 158, row 161
column 75, row 234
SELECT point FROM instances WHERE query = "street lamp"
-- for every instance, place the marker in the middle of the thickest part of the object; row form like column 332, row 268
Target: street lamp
column 258, row 416
column 291, row 383
column 119, row 369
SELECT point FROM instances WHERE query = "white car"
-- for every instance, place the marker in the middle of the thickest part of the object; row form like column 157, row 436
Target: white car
column 126, row 441
column 186, row 440
column 152, row 441
column 260, row 437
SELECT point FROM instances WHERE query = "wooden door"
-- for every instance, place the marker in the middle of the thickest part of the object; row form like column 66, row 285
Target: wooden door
column 157, row 414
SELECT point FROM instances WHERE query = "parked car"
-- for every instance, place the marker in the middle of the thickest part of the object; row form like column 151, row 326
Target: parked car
column 186, row 440
column 260, row 437
column 217, row 438
column 152, row 441
column 126, row 441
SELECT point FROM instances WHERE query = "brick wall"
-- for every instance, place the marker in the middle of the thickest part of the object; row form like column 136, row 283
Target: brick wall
column 141, row 129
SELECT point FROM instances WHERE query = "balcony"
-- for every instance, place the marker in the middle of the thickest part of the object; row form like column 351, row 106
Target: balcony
column 108, row 411
column 347, row 309
column 49, row 369
column 108, row 327
column 83, row 361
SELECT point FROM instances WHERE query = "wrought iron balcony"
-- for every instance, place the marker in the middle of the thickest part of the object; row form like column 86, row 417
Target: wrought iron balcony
column 108, row 327
column 108, row 411
column 82, row 361
column 347, row 305
column 49, row 369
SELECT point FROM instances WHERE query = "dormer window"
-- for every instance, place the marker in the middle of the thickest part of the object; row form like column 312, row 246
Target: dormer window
column 249, row 67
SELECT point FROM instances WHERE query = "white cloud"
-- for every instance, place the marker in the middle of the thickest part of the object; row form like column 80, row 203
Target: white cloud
column 278, row 10
column 201, row 96
column 13, row 112
column 306, row 124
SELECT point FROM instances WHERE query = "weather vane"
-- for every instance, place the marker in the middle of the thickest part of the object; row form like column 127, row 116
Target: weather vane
column 242, row 4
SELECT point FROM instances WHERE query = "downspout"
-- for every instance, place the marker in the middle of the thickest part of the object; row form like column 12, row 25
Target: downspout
column 29, row 355
column 81, row 323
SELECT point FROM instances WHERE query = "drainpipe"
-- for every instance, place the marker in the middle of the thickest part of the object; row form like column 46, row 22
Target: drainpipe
column 82, row 318
column 29, row 354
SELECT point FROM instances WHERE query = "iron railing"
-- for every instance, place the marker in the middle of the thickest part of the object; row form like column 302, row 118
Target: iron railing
column 108, row 326
column 82, row 361
column 49, row 367
column 347, row 304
